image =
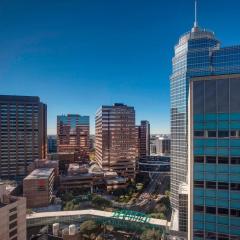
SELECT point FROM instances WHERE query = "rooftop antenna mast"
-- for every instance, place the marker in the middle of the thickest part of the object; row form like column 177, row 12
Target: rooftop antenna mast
column 195, row 21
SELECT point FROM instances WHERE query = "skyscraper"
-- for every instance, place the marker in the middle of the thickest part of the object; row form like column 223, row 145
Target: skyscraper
column 214, row 144
column 143, row 132
column 116, row 139
column 197, row 53
column 73, row 134
column 23, row 134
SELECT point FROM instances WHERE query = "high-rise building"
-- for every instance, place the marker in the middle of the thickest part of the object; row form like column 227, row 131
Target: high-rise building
column 143, row 132
column 116, row 139
column 160, row 145
column 23, row 134
column 198, row 53
column 12, row 215
column 214, row 148
column 52, row 143
column 73, row 134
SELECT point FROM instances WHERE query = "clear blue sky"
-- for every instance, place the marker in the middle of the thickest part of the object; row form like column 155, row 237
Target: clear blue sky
column 79, row 55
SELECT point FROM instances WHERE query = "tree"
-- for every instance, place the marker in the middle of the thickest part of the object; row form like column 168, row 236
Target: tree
column 151, row 234
column 88, row 227
column 100, row 202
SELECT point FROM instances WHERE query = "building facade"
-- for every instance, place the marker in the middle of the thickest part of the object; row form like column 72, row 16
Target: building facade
column 198, row 53
column 215, row 153
column 52, row 143
column 13, row 216
column 116, row 139
column 143, row 132
column 38, row 187
column 23, row 134
column 73, row 134
column 160, row 145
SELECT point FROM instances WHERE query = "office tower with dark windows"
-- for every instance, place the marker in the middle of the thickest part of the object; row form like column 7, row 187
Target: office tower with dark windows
column 52, row 143
column 214, row 144
column 143, row 132
column 198, row 53
column 23, row 134
column 116, row 139
column 73, row 134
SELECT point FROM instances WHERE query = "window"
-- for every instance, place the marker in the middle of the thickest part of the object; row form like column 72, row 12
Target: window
column 223, row 134
column 211, row 134
column 12, row 217
column 235, row 186
column 198, row 159
column 223, row 186
column 13, row 209
column 198, row 208
column 211, row 235
column 234, row 134
column 198, row 133
column 223, row 160
column 235, row 160
column 211, row 185
column 12, row 225
column 211, row 210
column 210, row 159
column 223, row 211
column 199, row 184
column 223, row 237
column 12, row 233
column 235, row 213
column 198, row 233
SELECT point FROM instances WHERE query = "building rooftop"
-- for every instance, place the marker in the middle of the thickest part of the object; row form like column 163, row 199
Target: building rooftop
column 40, row 173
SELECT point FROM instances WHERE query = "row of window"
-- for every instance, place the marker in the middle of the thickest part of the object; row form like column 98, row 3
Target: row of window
column 217, row 185
column 213, row 236
column 219, row 134
column 216, row 210
column 215, row 159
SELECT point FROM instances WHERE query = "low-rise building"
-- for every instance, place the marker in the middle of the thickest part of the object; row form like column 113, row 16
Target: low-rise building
column 12, row 215
column 38, row 187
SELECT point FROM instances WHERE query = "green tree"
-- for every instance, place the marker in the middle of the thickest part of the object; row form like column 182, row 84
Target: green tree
column 89, row 227
column 151, row 234
column 100, row 202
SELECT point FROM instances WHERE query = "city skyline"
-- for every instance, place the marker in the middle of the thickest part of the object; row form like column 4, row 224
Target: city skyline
column 70, row 57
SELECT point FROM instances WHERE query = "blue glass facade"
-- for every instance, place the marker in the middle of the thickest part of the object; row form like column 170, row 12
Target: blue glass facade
column 198, row 53
column 215, row 134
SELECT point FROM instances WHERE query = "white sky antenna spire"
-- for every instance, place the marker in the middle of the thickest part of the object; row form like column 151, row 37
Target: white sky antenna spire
column 195, row 21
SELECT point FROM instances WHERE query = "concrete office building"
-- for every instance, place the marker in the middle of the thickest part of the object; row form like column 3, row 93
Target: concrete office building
column 12, row 215
column 23, row 134
column 73, row 134
column 38, row 187
column 116, row 139
column 143, row 135
column 160, row 145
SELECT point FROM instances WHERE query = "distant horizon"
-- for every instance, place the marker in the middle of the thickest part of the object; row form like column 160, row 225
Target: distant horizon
column 79, row 55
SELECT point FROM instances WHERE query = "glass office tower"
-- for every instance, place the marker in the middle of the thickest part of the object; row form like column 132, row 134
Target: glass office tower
column 215, row 153
column 198, row 53
column 73, row 134
column 192, row 58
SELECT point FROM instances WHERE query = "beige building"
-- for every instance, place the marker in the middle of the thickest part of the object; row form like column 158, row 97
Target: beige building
column 116, row 139
column 12, row 215
column 23, row 134
column 38, row 187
